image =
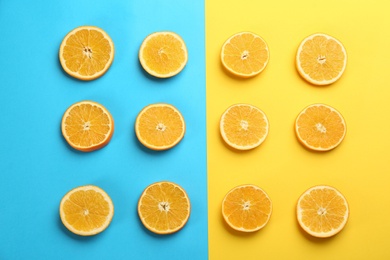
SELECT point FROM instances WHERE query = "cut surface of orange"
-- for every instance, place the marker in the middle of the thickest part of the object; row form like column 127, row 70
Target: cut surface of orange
column 244, row 126
column 245, row 54
column 86, row 210
column 322, row 211
column 321, row 59
column 86, row 52
column 246, row 208
column 163, row 54
column 320, row 127
column 164, row 207
column 87, row 126
column 160, row 126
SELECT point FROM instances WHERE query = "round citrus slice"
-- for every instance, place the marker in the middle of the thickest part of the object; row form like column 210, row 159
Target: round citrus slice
column 245, row 54
column 163, row 54
column 321, row 59
column 244, row 126
column 86, row 52
column 164, row 207
column 322, row 211
column 86, row 210
column 320, row 127
column 160, row 126
column 87, row 126
column 246, row 208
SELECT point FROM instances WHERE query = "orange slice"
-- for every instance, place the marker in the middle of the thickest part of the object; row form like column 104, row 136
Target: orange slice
column 246, row 208
column 164, row 207
column 160, row 126
column 244, row 126
column 163, row 54
column 321, row 59
column 320, row 127
column 87, row 126
column 86, row 210
column 245, row 54
column 322, row 211
column 86, row 52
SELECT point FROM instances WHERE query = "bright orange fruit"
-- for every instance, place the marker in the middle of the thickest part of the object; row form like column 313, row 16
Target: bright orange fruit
column 245, row 54
column 87, row 126
column 86, row 210
column 246, row 208
column 164, row 207
column 322, row 211
column 160, row 126
column 321, row 59
column 163, row 54
column 320, row 127
column 86, row 52
column 244, row 126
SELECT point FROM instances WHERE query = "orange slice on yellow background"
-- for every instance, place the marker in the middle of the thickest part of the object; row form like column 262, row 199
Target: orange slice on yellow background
column 86, row 52
column 322, row 211
column 163, row 54
column 164, row 207
column 87, row 126
column 86, row 210
column 244, row 126
column 320, row 127
column 160, row 126
column 246, row 208
column 245, row 54
column 321, row 59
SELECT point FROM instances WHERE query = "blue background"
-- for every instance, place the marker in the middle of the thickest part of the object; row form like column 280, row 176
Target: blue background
column 37, row 167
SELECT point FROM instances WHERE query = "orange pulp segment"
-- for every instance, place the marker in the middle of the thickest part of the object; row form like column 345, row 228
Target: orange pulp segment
column 86, row 52
column 245, row 54
column 86, row 210
column 164, row 207
column 87, row 126
column 244, row 126
column 246, row 208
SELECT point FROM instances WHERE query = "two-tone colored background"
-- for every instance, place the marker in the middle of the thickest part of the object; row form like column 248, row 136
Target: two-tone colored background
column 37, row 167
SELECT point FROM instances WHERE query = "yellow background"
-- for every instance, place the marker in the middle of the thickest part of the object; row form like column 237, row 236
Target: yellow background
column 359, row 167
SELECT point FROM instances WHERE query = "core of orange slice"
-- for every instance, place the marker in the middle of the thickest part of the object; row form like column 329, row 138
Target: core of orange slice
column 160, row 126
column 164, row 207
column 244, row 126
column 163, row 54
column 320, row 127
column 86, row 210
column 321, row 59
column 245, row 54
column 322, row 211
column 87, row 126
column 246, row 208
column 86, row 52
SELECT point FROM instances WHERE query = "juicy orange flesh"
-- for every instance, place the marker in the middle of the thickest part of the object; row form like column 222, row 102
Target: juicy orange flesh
column 164, row 54
column 322, row 59
column 323, row 210
column 87, row 52
column 86, row 210
column 321, row 127
column 87, row 125
column 244, row 125
column 160, row 126
column 164, row 207
column 245, row 54
column 247, row 208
